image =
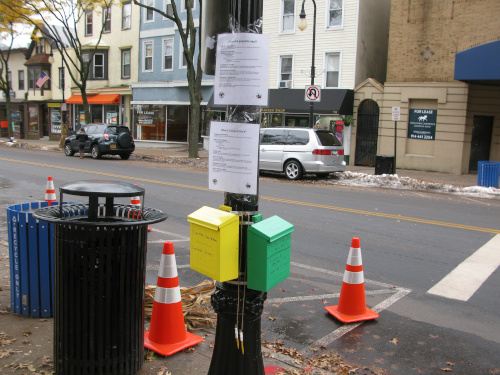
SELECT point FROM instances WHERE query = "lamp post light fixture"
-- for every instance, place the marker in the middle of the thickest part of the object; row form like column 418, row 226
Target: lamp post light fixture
column 302, row 24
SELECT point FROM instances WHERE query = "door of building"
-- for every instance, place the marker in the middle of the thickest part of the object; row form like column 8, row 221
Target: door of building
column 481, row 141
column 367, row 133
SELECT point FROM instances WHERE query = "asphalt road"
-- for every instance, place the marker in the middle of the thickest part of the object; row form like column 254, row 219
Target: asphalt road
column 409, row 240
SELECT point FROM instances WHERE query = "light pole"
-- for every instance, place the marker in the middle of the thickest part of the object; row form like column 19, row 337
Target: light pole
column 302, row 26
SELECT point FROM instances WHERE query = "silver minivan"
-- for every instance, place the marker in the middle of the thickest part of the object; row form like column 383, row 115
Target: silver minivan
column 297, row 151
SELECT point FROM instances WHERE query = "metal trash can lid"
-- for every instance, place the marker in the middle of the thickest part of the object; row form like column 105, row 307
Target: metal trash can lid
column 93, row 213
column 102, row 188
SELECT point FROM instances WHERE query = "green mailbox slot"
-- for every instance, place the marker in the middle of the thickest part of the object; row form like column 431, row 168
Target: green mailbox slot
column 268, row 257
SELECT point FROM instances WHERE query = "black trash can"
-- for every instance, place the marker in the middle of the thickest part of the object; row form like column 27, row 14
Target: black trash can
column 99, row 259
column 384, row 164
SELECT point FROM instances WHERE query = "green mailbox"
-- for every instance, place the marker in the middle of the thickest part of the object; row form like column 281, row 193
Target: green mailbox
column 268, row 256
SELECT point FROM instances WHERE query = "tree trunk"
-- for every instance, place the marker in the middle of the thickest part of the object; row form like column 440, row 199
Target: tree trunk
column 9, row 114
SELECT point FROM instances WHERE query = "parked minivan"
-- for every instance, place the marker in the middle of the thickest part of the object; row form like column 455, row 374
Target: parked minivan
column 296, row 151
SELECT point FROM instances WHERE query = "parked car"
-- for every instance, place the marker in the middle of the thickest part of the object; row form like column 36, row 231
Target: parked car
column 296, row 151
column 103, row 139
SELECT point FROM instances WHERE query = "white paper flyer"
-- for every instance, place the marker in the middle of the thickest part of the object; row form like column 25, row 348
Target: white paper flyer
column 241, row 69
column 233, row 161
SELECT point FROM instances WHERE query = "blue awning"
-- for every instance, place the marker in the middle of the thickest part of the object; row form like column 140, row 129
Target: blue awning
column 479, row 64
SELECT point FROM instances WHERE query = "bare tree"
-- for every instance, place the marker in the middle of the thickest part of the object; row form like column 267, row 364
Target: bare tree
column 60, row 19
column 189, row 39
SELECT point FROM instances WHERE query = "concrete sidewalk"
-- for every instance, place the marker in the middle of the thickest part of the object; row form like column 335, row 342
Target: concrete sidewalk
column 146, row 151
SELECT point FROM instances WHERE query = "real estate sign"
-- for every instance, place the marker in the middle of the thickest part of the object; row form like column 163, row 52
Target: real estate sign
column 422, row 124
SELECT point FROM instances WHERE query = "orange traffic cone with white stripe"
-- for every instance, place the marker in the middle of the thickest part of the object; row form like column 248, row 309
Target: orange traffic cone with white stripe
column 167, row 333
column 50, row 192
column 352, row 302
column 136, row 201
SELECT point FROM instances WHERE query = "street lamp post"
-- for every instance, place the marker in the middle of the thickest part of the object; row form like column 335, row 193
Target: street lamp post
column 302, row 26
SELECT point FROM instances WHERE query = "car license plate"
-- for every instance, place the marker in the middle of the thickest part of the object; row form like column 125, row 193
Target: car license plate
column 112, row 145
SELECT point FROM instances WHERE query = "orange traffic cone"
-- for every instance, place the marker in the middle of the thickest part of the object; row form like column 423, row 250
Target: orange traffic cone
column 167, row 333
column 352, row 303
column 50, row 192
column 136, row 201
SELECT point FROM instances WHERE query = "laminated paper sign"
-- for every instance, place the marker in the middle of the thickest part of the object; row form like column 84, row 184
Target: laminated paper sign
column 233, row 162
column 241, row 69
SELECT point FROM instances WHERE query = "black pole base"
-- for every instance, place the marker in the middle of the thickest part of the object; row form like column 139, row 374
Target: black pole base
column 227, row 358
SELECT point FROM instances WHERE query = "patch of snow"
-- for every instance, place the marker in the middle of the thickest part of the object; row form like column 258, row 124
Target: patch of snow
column 393, row 181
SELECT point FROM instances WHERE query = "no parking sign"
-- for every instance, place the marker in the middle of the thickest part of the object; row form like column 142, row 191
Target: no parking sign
column 313, row 94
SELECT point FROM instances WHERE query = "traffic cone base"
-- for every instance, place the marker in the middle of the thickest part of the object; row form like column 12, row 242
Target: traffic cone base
column 348, row 318
column 169, row 349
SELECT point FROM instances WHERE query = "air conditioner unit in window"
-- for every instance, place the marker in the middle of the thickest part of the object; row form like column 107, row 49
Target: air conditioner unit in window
column 285, row 84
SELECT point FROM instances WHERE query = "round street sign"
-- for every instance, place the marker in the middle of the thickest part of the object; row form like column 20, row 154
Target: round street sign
column 313, row 93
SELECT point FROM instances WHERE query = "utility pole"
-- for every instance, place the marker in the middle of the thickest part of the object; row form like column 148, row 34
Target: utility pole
column 237, row 307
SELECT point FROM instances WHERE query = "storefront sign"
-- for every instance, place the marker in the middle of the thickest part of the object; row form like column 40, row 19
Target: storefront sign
column 145, row 118
column 277, row 110
column 241, row 71
column 422, row 124
column 233, row 162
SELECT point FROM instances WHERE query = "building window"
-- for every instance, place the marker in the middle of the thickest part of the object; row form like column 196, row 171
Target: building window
column 286, row 71
column 40, row 46
column 61, row 79
column 126, row 63
column 33, row 74
column 332, row 77
column 148, row 13
column 88, row 23
column 98, row 66
column 106, row 20
column 168, row 9
column 335, row 13
column 287, row 16
column 127, row 16
column 168, row 54
column 187, row 3
column 148, row 56
column 20, row 75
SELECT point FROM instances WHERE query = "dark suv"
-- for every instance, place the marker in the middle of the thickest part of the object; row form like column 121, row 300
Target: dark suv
column 103, row 139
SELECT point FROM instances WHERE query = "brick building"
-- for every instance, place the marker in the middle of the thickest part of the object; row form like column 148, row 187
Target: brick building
column 441, row 72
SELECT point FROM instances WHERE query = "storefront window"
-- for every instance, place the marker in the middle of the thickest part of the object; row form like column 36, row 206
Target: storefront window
column 150, row 122
column 177, row 123
column 33, row 117
column 55, row 120
column 111, row 114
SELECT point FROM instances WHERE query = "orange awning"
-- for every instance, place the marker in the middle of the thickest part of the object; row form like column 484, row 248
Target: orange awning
column 95, row 99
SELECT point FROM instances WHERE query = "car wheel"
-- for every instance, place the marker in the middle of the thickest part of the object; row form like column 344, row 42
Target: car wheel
column 68, row 150
column 124, row 140
column 96, row 154
column 293, row 170
column 125, row 156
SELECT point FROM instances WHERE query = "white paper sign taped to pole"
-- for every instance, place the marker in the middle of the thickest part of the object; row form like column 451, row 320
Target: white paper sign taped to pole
column 233, row 161
column 241, row 69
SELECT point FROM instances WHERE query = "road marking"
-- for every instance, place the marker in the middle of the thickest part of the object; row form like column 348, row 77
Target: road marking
column 346, row 328
column 465, row 280
column 342, row 209
column 181, row 238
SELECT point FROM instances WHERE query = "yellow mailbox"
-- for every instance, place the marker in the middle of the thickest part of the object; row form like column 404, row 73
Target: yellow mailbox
column 214, row 243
